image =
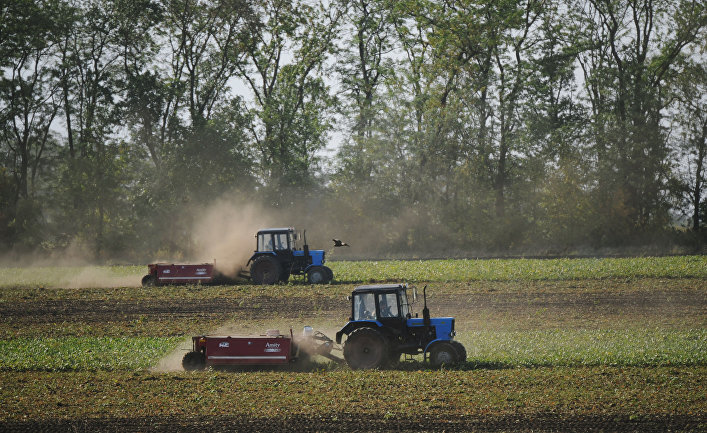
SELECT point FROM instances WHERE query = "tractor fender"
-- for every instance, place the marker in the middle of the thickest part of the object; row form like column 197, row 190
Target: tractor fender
column 256, row 255
column 310, row 266
column 353, row 325
column 432, row 343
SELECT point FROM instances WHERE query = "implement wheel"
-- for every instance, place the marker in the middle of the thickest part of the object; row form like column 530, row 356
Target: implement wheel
column 193, row 361
column 265, row 270
column 365, row 348
column 148, row 280
column 443, row 354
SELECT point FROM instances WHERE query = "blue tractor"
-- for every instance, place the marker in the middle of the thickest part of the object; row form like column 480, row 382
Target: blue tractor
column 277, row 257
column 381, row 329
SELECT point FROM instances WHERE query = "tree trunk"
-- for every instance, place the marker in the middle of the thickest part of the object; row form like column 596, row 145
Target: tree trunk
column 697, row 191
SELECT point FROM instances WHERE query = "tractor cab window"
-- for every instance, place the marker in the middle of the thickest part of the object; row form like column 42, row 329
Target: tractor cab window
column 281, row 241
column 388, row 304
column 364, row 307
column 265, row 242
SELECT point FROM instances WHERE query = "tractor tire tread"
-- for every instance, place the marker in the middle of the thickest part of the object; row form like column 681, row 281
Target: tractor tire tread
column 364, row 341
column 266, row 277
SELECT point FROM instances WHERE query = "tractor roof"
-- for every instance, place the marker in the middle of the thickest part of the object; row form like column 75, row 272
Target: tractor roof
column 377, row 287
column 276, row 230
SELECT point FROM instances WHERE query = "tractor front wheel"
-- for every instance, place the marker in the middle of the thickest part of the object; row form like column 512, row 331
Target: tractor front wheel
column 318, row 275
column 443, row 354
column 330, row 273
column 193, row 361
column 365, row 348
column 461, row 350
column 265, row 270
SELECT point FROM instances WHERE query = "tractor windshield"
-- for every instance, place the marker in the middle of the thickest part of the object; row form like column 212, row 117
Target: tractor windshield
column 281, row 241
column 388, row 304
column 270, row 241
column 265, row 242
column 364, row 306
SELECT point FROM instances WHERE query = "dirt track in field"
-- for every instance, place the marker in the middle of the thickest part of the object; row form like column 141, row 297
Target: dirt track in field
column 355, row 423
column 659, row 304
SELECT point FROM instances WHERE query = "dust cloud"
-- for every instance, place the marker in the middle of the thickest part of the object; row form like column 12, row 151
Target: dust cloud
column 225, row 233
column 94, row 277
column 173, row 361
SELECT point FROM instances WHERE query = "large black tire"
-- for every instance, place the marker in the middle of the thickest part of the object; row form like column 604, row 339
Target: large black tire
column 318, row 275
column 265, row 270
column 442, row 354
column 366, row 348
column 393, row 358
column 193, row 361
column 284, row 276
column 461, row 351
column 330, row 273
column 149, row 280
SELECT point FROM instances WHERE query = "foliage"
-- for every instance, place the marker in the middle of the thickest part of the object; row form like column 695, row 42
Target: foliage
column 424, row 126
column 645, row 347
column 519, row 269
column 392, row 270
column 82, row 353
column 570, row 393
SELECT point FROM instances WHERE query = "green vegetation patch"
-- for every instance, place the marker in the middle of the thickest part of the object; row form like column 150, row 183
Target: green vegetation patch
column 520, row 269
column 601, row 391
column 393, row 270
column 656, row 347
column 83, row 353
column 72, row 276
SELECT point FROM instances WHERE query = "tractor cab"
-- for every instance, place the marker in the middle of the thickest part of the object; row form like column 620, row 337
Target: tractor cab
column 276, row 257
column 276, row 240
column 386, row 302
column 381, row 329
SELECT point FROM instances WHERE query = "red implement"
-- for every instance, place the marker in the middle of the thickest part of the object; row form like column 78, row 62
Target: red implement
column 163, row 273
column 245, row 350
column 266, row 350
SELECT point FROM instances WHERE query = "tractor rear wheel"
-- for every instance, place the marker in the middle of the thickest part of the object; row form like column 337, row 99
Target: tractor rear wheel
column 193, row 361
column 318, row 275
column 365, row 348
column 148, row 280
column 443, row 354
column 461, row 350
column 265, row 270
column 284, row 276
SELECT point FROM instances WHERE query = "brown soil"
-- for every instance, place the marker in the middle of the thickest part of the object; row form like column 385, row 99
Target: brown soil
column 355, row 423
column 658, row 304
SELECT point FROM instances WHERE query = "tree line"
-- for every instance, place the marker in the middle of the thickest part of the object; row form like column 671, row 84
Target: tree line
column 505, row 126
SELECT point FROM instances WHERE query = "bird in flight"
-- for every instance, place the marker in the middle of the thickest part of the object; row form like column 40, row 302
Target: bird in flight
column 339, row 243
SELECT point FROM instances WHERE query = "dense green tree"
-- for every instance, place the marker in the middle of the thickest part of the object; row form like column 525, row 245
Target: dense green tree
column 460, row 125
column 28, row 107
column 690, row 126
column 632, row 47
column 287, row 46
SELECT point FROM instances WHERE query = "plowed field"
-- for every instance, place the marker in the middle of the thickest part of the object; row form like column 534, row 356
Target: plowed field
column 496, row 390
